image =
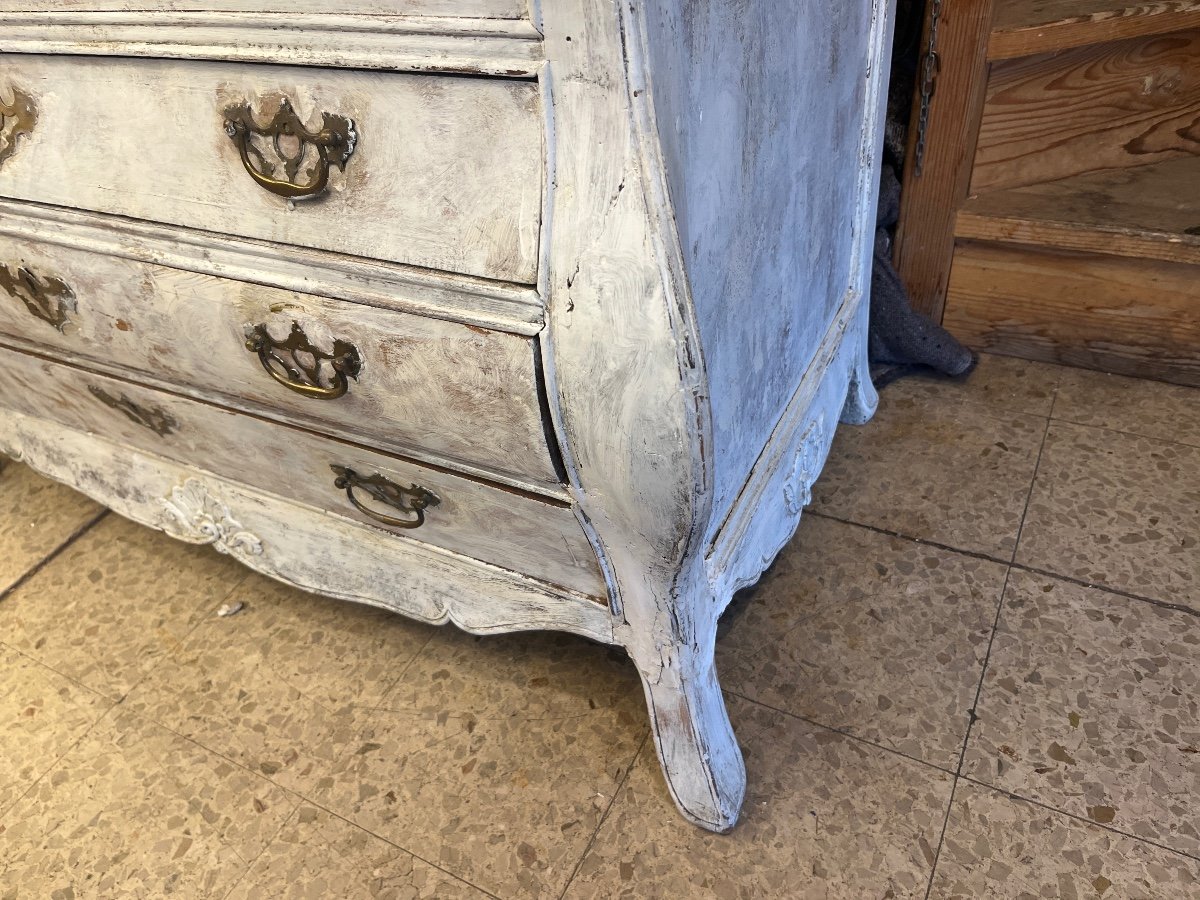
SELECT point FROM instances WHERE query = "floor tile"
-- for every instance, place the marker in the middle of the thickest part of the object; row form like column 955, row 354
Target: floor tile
column 1091, row 705
column 135, row 811
column 1001, row 847
column 116, row 602
column 318, row 856
column 825, row 816
column 953, row 474
column 1117, row 510
column 39, row 516
column 275, row 686
column 881, row 637
column 42, row 715
column 999, row 384
column 1169, row 412
column 494, row 758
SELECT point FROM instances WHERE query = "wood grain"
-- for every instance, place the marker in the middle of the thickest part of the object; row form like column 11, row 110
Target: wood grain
column 1123, row 104
column 1127, row 316
column 1147, row 212
column 925, row 233
column 501, row 527
column 427, row 388
column 447, row 173
column 1029, row 27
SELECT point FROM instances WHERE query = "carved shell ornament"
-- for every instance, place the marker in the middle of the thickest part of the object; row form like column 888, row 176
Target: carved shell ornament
column 194, row 515
column 806, row 466
column 16, row 120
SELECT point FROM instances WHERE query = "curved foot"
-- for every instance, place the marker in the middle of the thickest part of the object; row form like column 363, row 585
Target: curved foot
column 700, row 758
column 861, row 399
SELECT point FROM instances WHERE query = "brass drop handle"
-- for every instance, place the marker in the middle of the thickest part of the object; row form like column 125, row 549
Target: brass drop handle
column 301, row 366
column 284, row 144
column 16, row 120
column 412, row 500
column 44, row 296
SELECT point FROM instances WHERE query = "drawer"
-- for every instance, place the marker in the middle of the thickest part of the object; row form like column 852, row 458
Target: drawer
column 507, row 528
column 459, row 394
column 433, row 171
column 474, row 9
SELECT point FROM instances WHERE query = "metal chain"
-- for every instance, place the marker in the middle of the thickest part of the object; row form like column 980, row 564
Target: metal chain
column 930, row 63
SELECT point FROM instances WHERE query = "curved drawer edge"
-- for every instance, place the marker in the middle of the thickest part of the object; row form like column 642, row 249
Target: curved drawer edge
column 299, row 546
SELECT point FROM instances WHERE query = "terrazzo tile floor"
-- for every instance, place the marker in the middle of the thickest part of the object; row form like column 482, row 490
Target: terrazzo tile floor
column 975, row 672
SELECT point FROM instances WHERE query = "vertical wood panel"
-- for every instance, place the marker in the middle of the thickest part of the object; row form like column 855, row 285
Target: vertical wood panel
column 925, row 234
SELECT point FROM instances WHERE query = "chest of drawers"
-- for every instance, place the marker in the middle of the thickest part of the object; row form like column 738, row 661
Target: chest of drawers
column 513, row 316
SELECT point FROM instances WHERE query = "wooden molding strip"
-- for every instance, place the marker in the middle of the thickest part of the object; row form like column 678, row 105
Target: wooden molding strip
column 471, row 301
column 1010, row 40
column 502, row 47
column 1105, row 240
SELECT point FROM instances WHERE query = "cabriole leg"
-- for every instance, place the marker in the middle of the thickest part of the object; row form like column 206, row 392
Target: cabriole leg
column 699, row 755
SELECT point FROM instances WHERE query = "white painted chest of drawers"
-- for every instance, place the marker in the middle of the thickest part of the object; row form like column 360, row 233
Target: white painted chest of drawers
column 509, row 316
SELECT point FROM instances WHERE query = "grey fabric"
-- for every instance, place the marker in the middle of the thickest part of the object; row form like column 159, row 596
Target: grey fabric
column 901, row 340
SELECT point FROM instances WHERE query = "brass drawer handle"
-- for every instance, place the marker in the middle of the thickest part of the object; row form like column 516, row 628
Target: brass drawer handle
column 159, row 421
column 284, row 145
column 413, row 499
column 16, row 119
column 49, row 299
column 300, row 366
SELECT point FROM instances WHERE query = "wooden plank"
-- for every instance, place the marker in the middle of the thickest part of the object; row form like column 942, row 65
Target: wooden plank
column 447, row 173
column 1128, row 103
column 1127, row 316
column 501, row 527
column 483, row 9
column 1147, row 212
column 1029, row 27
column 925, row 232
column 426, row 388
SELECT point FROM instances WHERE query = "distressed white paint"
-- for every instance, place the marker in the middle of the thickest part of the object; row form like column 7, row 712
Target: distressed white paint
column 305, row 547
column 446, row 174
column 482, row 9
column 189, row 330
column 503, row 527
column 710, row 171
column 486, row 46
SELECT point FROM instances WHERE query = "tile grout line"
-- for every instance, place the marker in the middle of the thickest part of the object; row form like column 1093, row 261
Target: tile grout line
column 58, row 760
column 842, row 731
column 973, row 712
column 1078, row 818
column 1121, row 431
column 604, row 818
column 305, row 798
column 266, row 846
column 1023, row 567
column 52, row 555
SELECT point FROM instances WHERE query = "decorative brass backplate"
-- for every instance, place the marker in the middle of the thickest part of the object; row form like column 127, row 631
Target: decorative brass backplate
column 160, row 422
column 413, row 499
column 301, row 366
column 16, row 119
column 275, row 153
column 48, row 298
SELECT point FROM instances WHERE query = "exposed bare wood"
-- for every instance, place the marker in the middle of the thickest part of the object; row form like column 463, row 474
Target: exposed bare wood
column 1148, row 212
column 1132, row 317
column 1123, row 104
column 1029, row 27
column 925, row 232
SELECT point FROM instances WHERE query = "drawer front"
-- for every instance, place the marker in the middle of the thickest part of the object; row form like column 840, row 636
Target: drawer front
column 439, row 172
column 474, row 9
column 461, row 394
column 506, row 528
